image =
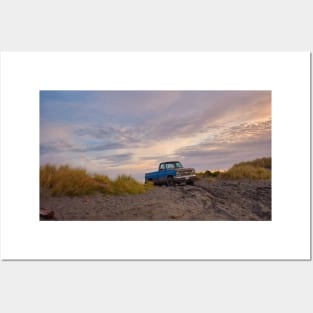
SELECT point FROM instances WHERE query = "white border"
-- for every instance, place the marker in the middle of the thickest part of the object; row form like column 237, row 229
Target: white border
column 23, row 74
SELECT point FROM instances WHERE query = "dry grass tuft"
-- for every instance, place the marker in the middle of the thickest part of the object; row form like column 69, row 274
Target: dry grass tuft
column 259, row 169
column 69, row 181
column 127, row 185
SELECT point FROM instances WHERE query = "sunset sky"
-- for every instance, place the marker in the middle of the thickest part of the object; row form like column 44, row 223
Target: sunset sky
column 130, row 132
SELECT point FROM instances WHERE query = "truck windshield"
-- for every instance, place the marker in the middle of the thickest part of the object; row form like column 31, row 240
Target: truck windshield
column 170, row 165
column 173, row 165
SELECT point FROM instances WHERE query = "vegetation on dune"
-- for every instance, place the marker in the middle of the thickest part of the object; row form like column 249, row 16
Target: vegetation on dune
column 69, row 181
column 262, row 162
column 256, row 169
column 208, row 174
column 128, row 185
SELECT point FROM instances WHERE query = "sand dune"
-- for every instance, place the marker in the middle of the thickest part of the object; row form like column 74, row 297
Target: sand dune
column 222, row 200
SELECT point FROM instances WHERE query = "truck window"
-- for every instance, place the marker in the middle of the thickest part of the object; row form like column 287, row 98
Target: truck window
column 162, row 166
column 170, row 165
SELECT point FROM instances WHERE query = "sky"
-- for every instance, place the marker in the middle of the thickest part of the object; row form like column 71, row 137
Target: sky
column 131, row 132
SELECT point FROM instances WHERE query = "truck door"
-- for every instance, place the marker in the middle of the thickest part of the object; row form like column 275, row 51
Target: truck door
column 162, row 168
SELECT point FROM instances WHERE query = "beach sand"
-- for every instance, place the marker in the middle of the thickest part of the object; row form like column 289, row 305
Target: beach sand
column 220, row 200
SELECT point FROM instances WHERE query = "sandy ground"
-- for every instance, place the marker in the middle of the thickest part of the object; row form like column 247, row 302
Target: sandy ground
column 205, row 201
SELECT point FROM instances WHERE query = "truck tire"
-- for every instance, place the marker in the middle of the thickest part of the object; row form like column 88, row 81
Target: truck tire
column 170, row 181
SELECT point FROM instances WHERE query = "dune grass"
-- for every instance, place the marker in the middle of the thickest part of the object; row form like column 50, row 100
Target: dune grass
column 127, row 185
column 208, row 174
column 261, row 162
column 259, row 169
column 68, row 181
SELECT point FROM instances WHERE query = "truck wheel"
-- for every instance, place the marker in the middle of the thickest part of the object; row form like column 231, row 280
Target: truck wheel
column 170, row 181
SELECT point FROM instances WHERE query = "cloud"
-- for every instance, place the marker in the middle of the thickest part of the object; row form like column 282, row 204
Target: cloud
column 244, row 131
column 109, row 134
column 96, row 132
column 62, row 146
column 55, row 147
column 233, row 144
column 223, row 157
column 100, row 148
column 202, row 111
column 114, row 160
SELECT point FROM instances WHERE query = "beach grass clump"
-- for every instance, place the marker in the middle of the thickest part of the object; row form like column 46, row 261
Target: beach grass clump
column 68, row 181
column 125, row 184
column 248, row 172
column 261, row 162
column 259, row 169
column 208, row 174
column 47, row 175
column 105, row 184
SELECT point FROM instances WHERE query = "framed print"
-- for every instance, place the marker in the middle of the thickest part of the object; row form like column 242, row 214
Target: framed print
column 155, row 155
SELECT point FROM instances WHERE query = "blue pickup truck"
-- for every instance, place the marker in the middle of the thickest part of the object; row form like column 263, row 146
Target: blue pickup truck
column 171, row 173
